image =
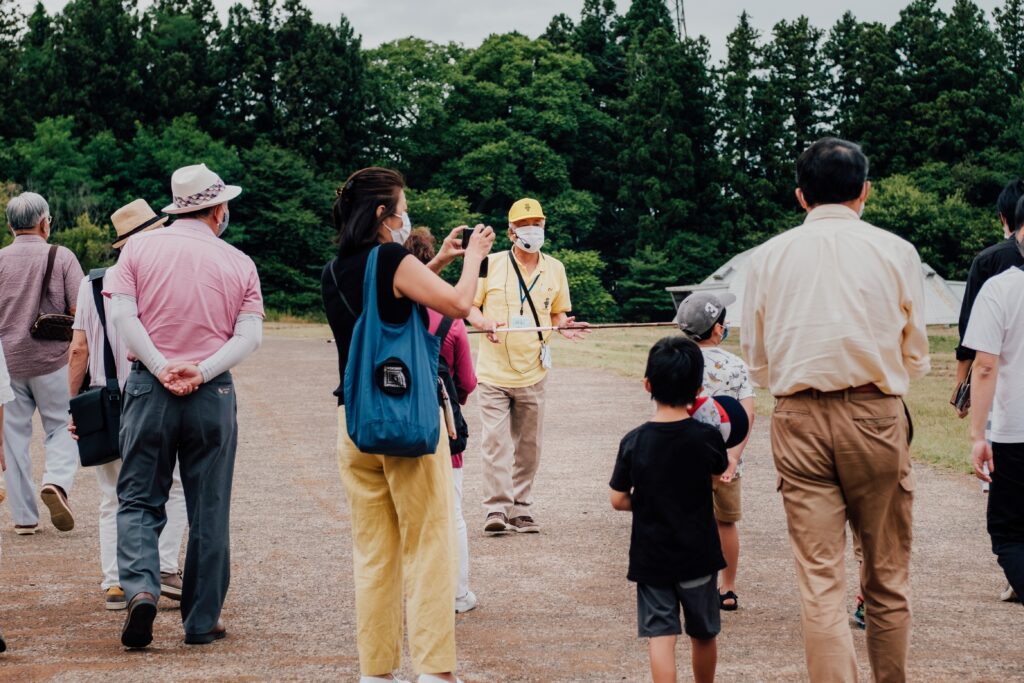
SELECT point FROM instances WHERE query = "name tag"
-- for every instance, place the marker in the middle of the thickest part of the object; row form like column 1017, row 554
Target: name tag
column 519, row 322
column 545, row 356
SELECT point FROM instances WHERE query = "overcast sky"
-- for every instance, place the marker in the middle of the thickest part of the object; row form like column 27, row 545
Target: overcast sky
column 470, row 21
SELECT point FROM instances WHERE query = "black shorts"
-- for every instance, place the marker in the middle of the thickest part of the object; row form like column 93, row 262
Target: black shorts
column 657, row 609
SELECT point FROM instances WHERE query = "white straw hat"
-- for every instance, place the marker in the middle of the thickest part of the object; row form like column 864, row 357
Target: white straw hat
column 134, row 218
column 197, row 187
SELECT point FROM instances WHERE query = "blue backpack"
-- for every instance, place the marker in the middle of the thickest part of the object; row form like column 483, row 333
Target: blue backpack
column 390, row 384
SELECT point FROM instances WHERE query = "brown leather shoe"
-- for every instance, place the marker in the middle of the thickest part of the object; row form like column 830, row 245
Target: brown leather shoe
column 496, row 524
column 524, row 524
column 56, row 500
column 219, row 631
column 170, row 585
column 138, row 625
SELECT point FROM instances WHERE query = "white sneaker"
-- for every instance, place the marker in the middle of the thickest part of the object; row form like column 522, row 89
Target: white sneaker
column 1008, row 595
column 381, row 679
column 430, row 678
column 466, row 603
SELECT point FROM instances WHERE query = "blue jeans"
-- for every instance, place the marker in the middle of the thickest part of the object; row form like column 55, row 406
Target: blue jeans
column 1006, row 511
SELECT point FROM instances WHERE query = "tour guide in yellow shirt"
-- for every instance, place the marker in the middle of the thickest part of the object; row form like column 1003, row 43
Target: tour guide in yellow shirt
column 513, row 367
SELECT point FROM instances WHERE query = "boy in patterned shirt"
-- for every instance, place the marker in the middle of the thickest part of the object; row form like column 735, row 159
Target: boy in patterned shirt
column 701, row 317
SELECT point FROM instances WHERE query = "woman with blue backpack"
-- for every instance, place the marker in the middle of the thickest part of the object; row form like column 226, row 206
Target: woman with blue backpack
column 393, row 454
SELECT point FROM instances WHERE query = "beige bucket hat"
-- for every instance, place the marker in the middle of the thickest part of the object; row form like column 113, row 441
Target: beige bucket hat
column 197, row 187
column 134, row 218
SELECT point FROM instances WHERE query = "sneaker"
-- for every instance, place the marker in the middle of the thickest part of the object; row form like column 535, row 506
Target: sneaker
column 524, row 524
column 1008, row 594
column 26, row 529
column 381, row 679
column 114, row 598
column 3, row 643
column 466, row 603
column 170, row 585
column 496, row 523
column 858, row 614
column 60, row 512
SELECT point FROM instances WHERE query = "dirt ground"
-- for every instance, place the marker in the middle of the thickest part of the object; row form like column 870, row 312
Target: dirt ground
column 554, row 607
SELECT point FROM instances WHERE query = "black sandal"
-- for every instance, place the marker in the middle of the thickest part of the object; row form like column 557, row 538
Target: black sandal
column 730, row 595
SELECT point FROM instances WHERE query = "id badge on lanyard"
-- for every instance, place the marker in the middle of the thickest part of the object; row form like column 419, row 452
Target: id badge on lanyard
column 545, row 356
column 519, row 322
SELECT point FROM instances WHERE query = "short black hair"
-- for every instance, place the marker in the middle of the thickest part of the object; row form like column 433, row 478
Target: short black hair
column 1018, row 215
column 831, row 171
column 675, row 370
column 1008, row 203
column 711, row 330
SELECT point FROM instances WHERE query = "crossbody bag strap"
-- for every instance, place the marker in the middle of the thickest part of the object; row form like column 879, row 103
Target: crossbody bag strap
column 50, row 257
column 529, row 297
column 330, row 267
column 444, row 328
column 109, row 363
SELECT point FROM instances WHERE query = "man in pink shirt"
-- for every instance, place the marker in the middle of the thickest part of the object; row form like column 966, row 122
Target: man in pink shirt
column 188, row 306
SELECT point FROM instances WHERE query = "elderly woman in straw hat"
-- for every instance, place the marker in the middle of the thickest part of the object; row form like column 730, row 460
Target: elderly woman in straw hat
column 87, row 354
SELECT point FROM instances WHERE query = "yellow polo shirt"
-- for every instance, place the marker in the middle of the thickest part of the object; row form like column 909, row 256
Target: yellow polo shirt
column 515, row 362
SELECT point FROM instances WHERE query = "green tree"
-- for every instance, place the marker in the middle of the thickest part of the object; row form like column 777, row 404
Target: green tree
column 439, row 211
column 641, row 291
column 52, row 163
column 180, row 73
column 97, row 65
column 282, row 221
column 90, row 242
column 590, row 300
column 1010, row 28
column 669, row 173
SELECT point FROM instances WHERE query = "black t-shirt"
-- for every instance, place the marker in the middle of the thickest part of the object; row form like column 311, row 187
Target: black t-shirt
column 990, row 261
column 668, row 466
column 350, row 269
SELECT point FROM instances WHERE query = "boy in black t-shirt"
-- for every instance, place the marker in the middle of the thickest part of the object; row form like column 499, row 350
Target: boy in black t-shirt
column 663, row 474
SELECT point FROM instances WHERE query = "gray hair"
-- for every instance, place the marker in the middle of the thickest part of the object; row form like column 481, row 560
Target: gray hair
column 26, row 210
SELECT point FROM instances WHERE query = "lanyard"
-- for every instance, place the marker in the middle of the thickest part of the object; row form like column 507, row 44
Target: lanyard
column 522, row 296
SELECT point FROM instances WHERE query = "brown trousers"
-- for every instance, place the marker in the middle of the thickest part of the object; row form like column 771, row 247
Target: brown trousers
column 846, row 457
column 512, row 421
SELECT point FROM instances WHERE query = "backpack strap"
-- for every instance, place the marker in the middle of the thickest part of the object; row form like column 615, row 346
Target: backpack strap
column 330, row 267
column 50, row 257
column 444, row 328
column 109, row 364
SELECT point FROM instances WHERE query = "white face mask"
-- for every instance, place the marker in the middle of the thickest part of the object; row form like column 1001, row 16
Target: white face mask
column 223, row 225
column 530, row 239
column 401, row 235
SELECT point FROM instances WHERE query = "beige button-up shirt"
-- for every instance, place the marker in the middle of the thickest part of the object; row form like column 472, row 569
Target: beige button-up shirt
column 832, row 304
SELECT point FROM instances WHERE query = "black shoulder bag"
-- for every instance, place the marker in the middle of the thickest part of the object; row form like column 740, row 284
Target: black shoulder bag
column 97, row 412
column 444, row 373
column 52, row 326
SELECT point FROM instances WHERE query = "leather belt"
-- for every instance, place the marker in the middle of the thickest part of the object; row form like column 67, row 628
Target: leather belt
column 863, row 389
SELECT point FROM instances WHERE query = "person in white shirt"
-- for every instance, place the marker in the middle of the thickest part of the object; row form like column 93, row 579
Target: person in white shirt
column 87, row 353
column 996, row 333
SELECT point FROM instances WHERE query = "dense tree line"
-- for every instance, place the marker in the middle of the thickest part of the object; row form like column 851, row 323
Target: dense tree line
column 653, row 163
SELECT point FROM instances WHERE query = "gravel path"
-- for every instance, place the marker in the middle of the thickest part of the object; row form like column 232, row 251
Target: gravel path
column 554, row 607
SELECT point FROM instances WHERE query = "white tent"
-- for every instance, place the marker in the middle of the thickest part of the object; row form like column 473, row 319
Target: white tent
column 942, row 297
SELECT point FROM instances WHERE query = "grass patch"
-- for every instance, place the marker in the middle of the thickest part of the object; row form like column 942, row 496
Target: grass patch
column 939, row 436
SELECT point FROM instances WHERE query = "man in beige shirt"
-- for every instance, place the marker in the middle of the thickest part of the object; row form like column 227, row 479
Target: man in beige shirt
column 834, row 327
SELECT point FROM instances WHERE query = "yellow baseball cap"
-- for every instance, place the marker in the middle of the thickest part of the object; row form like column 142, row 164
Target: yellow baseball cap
column 525, row 208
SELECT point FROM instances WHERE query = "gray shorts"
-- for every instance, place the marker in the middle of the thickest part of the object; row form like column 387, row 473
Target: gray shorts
column 657, row 609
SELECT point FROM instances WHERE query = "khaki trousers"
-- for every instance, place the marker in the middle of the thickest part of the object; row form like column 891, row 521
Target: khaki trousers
column 513, row 422
column 403, row 551
column 846, row 457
